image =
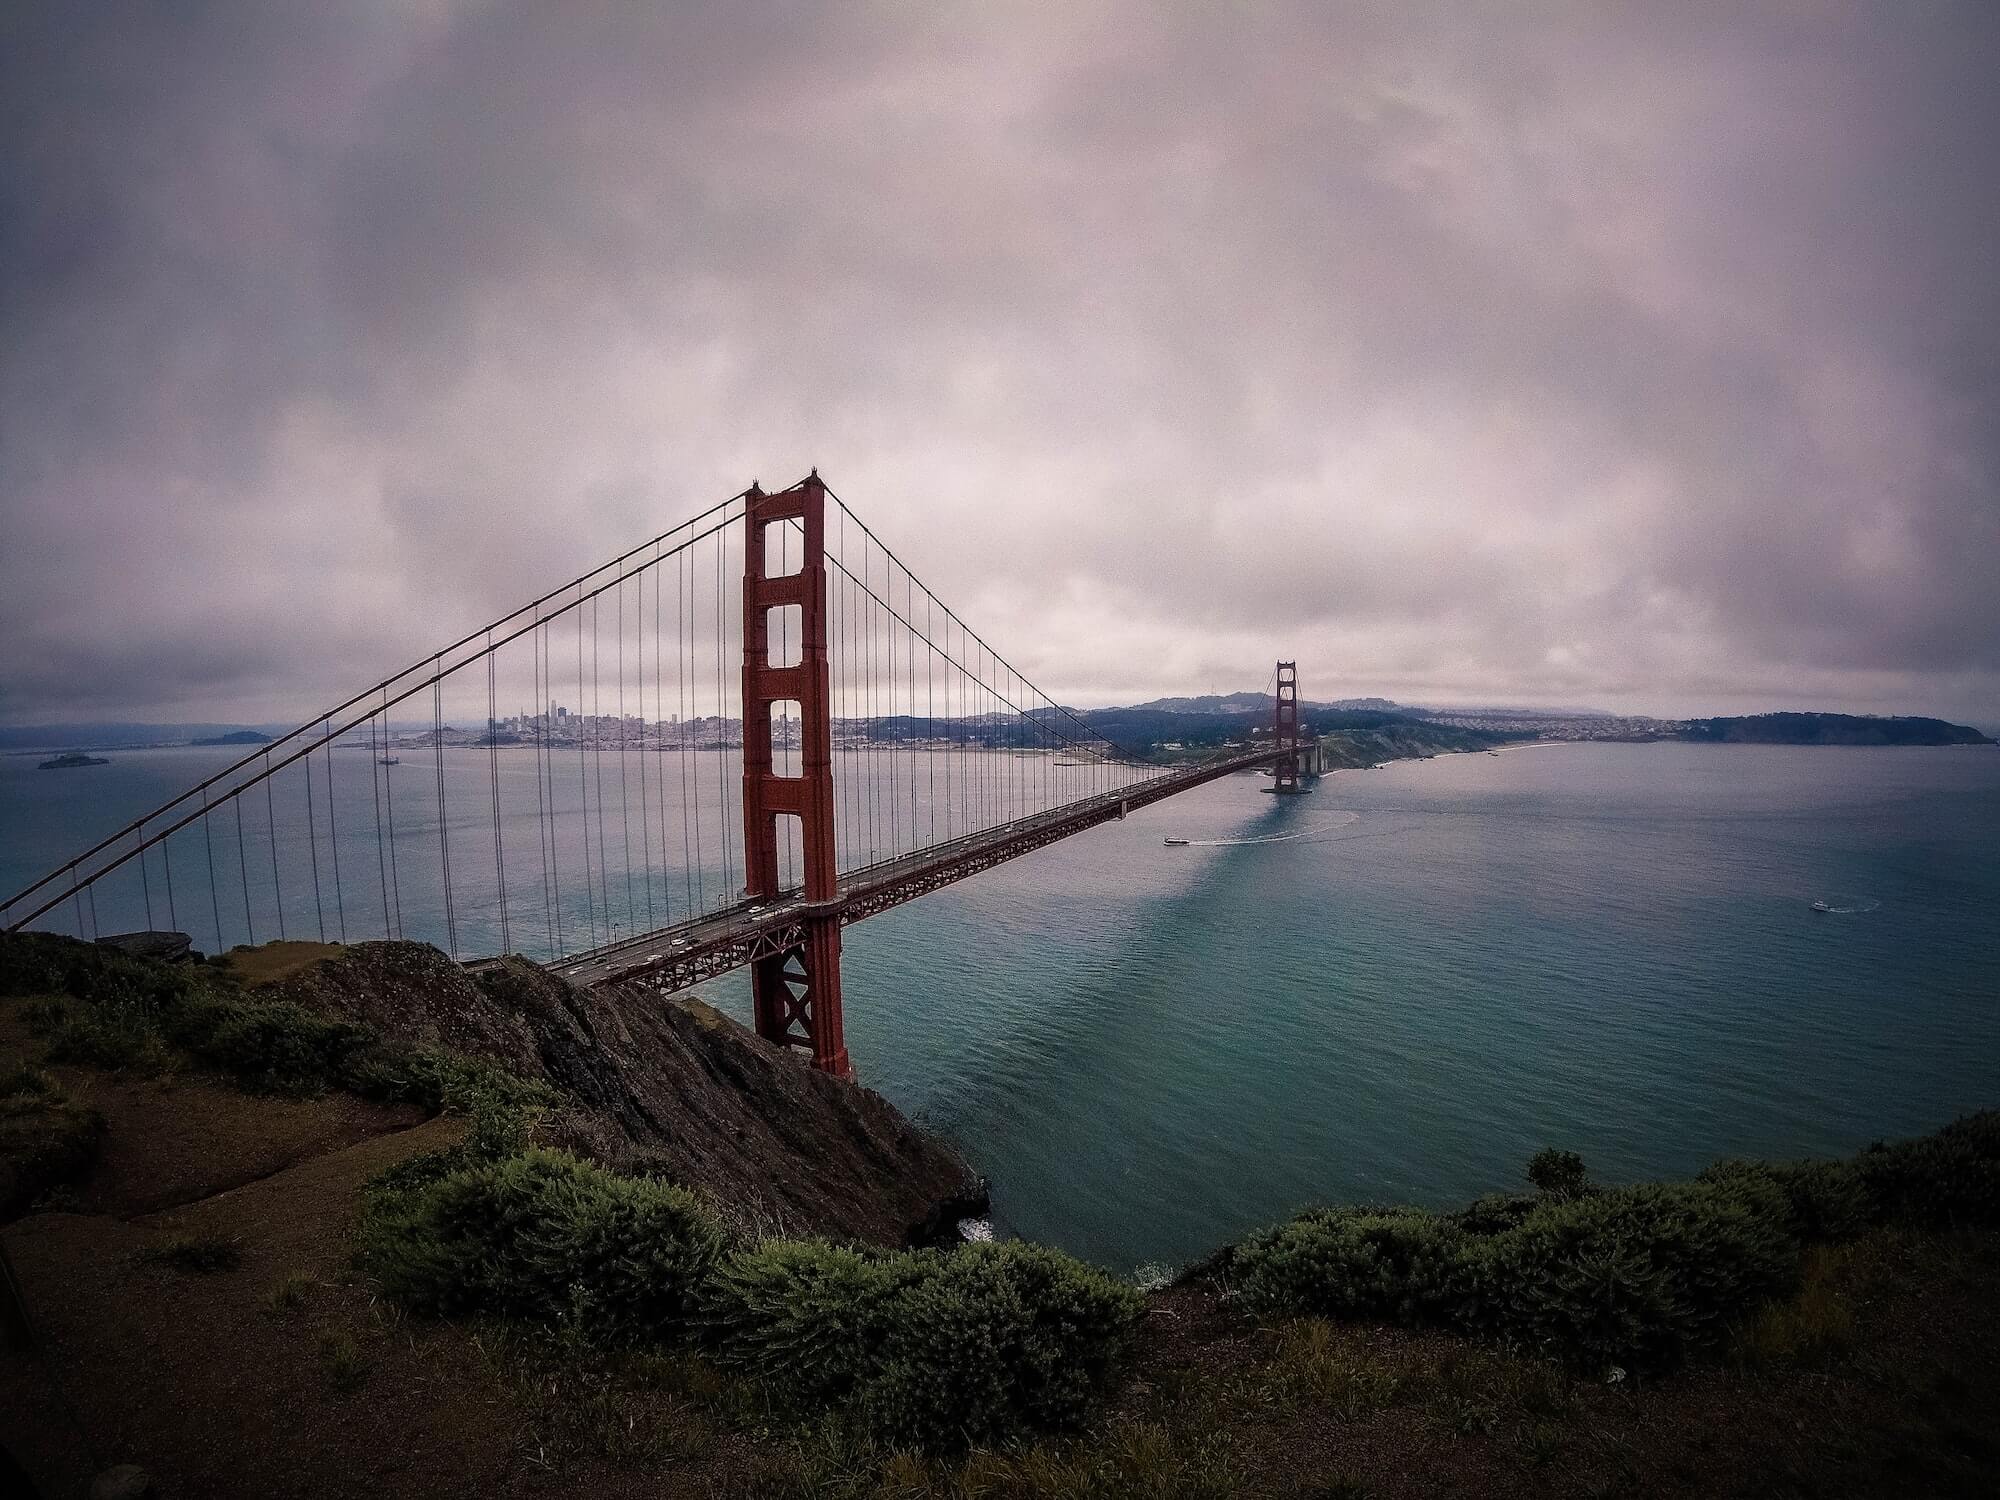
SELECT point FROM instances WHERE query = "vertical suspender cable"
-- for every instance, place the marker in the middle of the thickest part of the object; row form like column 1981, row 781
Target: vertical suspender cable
column 333, row 839
column 729, row 885
column 208, row 847
column 167, row 860
column 682, row 656
column 243, row 870
column 493, row 783
column 660, row 739
column 312, row 844
column 583, row 774
column 597, row 765
column 541, row 723
column 624, row 785
column 444, row 827
column 645, row 792
column 381, row 857
column 271, row 832
column 145, row 879
column 389, row 798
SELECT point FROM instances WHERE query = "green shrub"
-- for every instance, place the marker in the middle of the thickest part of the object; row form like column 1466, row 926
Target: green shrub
column 928, row 1349
column 805, row 1314
column 440, row 1080
column 1558, row 1174
column 1951, row 1177
column 117, row 1038
column 1402, row 1264
column 1635, row 1276
column 40, row 963
column 543, row 1235
column 273, row 1048
column 1824, row 1200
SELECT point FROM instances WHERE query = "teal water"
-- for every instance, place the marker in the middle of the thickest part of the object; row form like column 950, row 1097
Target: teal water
column 1607, row 948
column 1395, row 989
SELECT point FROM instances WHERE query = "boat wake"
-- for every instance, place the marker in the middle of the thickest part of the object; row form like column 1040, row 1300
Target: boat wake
column 1319, row 825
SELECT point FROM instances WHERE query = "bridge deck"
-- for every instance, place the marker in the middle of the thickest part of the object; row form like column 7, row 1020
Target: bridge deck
column 687, row 953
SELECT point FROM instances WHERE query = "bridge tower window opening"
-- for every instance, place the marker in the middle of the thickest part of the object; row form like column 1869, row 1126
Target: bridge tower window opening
column 788, row 640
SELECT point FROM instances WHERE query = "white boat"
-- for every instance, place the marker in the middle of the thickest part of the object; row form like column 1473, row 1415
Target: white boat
column 1821, row 906
column 1175, row 843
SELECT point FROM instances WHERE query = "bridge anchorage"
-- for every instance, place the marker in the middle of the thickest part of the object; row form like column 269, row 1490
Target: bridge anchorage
column 829, row 737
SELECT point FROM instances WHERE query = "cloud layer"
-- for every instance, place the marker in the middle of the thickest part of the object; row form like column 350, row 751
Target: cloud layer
column 1640, row 355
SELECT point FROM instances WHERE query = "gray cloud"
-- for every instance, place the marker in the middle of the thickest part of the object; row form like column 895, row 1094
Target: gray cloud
column 1643, row 355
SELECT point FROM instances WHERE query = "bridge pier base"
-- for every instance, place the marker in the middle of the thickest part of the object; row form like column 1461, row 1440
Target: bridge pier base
column 796, row 997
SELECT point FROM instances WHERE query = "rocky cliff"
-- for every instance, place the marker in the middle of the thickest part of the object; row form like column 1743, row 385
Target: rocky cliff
column 667, row 1085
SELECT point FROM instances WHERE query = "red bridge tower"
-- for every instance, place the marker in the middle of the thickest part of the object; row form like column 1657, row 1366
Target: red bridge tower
column 1285, row 775
column 796, row 993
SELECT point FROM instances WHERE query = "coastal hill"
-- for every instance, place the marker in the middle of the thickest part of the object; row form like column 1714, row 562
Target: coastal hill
column 1828, row 729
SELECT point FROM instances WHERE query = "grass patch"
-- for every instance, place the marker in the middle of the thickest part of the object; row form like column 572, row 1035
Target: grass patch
column 1813, row 1323
column 288, row 1293
column 342, row 1362
column 200, row 1255
column 46, row 1140
column 1315, row 1365
column 1130, row 1459
column 267, row 963
column 626, row 1406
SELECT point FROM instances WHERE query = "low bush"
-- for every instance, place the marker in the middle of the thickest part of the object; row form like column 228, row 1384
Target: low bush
column 1950, row 1178
column 923, row 1349
column 39, row 963
column 1558, row 1174
column 1401, row 1264
column 267, row 1047
column 926, row 1349
column 101, row 1008
column 1638, row 1276
column 543, row 1235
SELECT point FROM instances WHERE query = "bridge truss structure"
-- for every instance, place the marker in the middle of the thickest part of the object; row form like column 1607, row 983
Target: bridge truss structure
column 777, row 731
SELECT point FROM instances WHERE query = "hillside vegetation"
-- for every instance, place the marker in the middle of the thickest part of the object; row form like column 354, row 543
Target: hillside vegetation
column 640, row 1333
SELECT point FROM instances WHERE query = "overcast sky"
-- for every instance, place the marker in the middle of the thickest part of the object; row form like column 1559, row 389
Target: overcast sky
column 1642, row 356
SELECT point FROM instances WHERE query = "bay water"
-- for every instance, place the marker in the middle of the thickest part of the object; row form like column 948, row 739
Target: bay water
column 1393, row 990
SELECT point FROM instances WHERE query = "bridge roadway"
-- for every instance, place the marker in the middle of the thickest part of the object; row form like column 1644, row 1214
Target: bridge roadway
column 689, row 953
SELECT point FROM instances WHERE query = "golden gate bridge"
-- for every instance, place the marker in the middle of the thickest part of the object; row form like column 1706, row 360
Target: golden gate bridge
column 800, row 732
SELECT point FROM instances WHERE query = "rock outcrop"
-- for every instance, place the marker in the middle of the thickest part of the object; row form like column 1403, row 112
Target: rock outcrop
column 668, row 1085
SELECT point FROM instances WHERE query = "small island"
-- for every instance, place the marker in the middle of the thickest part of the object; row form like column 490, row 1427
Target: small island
column 70, row 761
column 235, row 737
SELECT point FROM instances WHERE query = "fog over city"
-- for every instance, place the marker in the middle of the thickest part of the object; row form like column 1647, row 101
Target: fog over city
column 1638, row 356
